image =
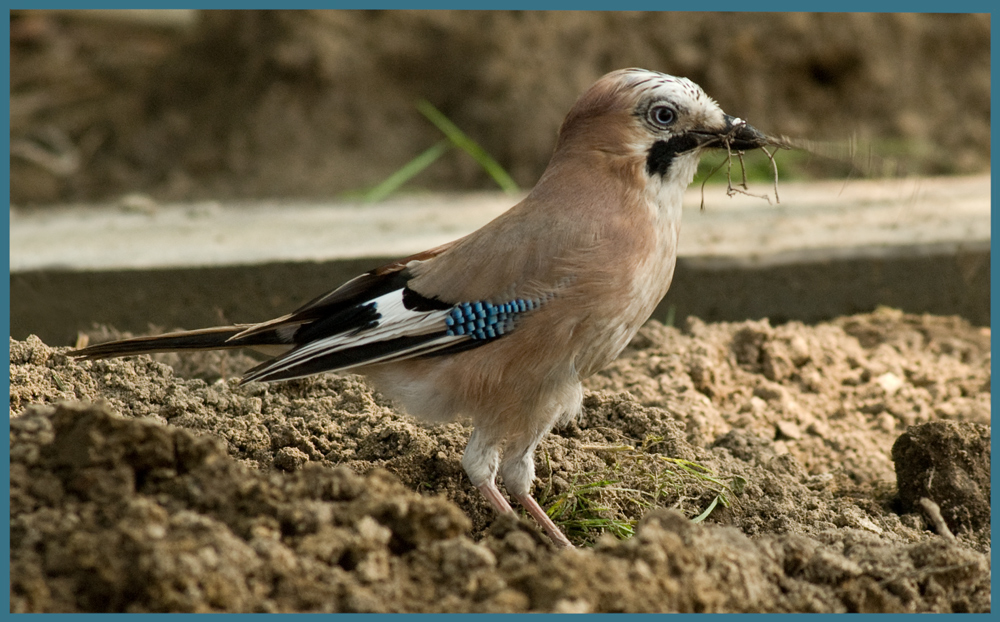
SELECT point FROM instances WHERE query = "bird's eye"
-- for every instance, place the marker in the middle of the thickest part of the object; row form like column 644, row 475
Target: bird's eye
column 662, row 116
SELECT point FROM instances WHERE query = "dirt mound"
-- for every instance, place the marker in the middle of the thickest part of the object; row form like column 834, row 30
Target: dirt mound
column 186, row 492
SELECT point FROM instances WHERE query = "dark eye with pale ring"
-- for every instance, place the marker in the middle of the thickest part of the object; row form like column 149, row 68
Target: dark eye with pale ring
column 662, row 116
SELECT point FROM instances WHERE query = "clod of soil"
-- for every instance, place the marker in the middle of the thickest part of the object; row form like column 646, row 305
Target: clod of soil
column 949, row 463
column 138, row 486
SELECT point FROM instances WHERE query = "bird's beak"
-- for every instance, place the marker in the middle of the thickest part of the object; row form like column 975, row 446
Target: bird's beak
column 737, row 135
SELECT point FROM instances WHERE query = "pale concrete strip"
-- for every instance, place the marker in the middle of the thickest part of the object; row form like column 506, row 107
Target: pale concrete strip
column 837, row 220
column 813, row 221
column 161, row 18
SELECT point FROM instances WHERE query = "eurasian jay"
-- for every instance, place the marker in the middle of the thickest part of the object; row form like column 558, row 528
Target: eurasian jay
column 503, row 324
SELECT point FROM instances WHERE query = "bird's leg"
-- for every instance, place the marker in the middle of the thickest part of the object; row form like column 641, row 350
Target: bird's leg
column 480, row 461
column 518, row 468
column 496, row 499
column 543, row 519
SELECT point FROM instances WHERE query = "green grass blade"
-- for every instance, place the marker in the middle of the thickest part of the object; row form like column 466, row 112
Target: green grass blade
column 466, row 144
column 671, row 315
column 704, row 515
column 407, row 172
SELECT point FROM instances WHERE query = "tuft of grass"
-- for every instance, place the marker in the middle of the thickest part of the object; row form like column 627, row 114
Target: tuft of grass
column 454, row 137
column 702, row 473
column 580, row 513
column 636, row 479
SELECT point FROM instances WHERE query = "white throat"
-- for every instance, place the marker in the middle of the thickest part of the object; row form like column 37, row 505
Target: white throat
column 664, row 194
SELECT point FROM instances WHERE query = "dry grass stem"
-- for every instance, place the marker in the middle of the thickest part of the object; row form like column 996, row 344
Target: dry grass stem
column 743, row 188
column 730, row 189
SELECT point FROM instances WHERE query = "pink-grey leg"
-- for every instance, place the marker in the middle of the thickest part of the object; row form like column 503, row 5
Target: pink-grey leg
column 543, row 519
column 481, row 461
column 497, row 500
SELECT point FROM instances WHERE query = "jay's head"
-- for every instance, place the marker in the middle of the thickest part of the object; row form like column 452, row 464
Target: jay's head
column 663, row 121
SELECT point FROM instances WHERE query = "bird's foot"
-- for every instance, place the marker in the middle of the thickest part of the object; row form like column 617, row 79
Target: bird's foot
column 500, row 504
column 543, row 519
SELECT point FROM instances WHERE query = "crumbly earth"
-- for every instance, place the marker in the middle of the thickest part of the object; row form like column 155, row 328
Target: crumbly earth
column 159, row 484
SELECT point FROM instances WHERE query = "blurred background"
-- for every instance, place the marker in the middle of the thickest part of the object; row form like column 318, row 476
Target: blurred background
column 184, row 105
column 185, row 168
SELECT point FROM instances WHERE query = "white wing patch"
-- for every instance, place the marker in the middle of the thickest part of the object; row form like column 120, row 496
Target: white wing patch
column 395, row 321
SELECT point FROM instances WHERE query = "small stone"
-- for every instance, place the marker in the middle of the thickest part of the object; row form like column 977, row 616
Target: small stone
column 138, row 202
column 799, row 351
column 771, row 392
column 889, row 382
column 373, row 532
column 819, row 428
column 886, row 422
column 577, row 605
column 787, row 429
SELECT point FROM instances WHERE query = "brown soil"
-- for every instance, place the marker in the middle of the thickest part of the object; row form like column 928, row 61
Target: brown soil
column 181, row 491
column 312, row 103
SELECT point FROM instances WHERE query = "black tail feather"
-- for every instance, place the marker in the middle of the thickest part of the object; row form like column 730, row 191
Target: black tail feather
column 217, row 338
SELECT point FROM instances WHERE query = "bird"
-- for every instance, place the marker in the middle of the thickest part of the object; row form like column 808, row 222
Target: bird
column 501, row 326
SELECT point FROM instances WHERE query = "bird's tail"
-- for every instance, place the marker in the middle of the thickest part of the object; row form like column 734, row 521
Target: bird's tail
column 218, row 338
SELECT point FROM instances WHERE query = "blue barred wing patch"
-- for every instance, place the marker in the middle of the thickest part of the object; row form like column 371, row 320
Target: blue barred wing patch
column 484, row 320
